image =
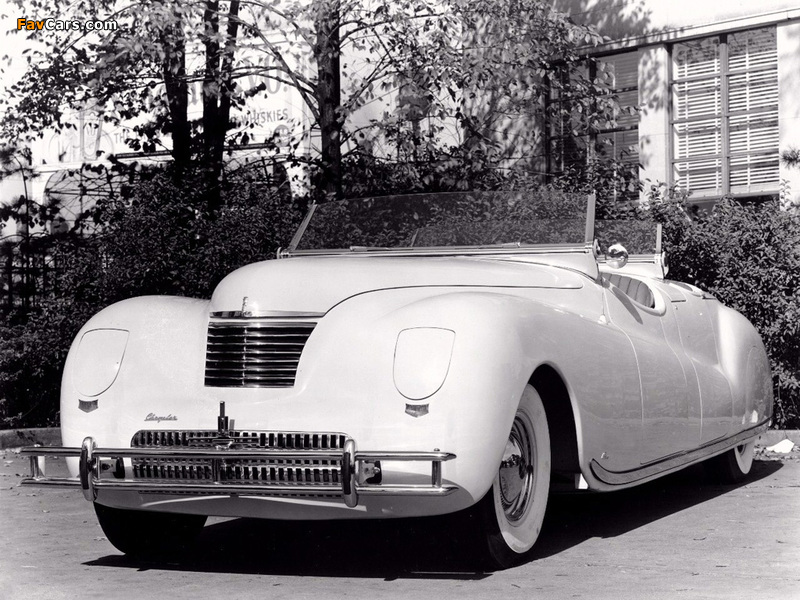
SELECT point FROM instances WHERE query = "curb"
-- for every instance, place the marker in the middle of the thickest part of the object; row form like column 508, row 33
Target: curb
column 44, row 436
column 774, row 436
column 51, row 436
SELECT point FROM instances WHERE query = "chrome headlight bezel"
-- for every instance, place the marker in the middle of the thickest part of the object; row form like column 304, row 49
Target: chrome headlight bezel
column 422, row 361
column 98, row 360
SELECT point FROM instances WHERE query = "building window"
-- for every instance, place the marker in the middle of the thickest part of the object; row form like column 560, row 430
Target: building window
column 619, row 139
column 571, row 144
column 725, row 114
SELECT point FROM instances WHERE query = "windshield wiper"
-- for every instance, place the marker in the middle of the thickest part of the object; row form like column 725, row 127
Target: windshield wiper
column 370, row 248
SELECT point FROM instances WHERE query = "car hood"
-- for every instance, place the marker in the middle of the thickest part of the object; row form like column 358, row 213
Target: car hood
column 314, row 285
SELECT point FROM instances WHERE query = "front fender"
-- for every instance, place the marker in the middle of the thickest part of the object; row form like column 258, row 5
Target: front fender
column 163, row 357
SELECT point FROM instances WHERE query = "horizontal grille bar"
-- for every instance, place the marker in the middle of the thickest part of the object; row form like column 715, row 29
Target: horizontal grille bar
column 290, row 457
column 205, row 438
column 254, row 352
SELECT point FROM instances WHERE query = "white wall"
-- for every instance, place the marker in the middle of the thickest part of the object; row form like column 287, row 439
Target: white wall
column 631, row 19
column 654, row 129
column 789, row 103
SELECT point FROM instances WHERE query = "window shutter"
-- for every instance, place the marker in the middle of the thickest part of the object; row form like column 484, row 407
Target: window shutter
column 726, row 142
column 753, row 109
column 697, row 116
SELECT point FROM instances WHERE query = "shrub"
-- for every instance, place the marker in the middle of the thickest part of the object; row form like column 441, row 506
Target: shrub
column 748, row 256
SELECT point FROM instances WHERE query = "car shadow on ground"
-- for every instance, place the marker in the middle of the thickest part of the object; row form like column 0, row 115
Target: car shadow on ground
column 428, row 548
column 573, row 518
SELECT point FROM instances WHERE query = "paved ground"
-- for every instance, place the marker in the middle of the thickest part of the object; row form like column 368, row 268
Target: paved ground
column 679, row 537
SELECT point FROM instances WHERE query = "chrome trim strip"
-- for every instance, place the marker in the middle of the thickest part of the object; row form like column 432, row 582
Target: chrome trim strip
column 590, row 216
column 348, row 489
column 300, row 231
column 266, row 314
column 453, row 250
column 422, row 456
column 226, row 489
column 249, row 454
column 676, row 461
column 72, row 482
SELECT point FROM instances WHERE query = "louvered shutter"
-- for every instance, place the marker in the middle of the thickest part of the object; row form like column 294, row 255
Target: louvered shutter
column 697, row 118
column 753, row 110
column 725, row 114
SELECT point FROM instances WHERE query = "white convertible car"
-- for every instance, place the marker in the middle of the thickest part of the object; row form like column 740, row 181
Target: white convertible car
column 407, row 356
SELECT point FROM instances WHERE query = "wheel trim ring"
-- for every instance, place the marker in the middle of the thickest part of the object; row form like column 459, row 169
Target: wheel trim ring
column 515, row 507
column 744, row 456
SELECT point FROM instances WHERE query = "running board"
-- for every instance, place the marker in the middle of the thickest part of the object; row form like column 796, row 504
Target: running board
column 674, row 462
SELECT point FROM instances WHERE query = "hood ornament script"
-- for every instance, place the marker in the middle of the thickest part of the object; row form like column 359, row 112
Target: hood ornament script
column 246, row 312
column 158, row 418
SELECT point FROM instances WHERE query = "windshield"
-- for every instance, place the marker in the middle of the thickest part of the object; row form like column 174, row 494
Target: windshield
column 456, row 219
column 638, row 237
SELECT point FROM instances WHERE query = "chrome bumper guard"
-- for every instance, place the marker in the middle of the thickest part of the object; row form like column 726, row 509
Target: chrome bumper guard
column 103, row 469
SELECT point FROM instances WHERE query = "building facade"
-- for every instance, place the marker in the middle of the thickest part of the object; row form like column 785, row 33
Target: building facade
column 717, row 89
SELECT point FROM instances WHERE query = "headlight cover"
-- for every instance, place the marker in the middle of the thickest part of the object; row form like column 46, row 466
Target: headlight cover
column 99, row 357
column 421, row 361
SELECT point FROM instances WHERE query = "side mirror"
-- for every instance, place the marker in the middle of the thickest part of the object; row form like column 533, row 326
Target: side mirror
column 616, row 256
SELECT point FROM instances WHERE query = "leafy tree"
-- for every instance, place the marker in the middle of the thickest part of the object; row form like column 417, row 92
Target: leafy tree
column 480, row 73
column 144, row 70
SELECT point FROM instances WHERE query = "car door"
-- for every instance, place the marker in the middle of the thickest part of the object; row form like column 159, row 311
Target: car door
column 670, row 422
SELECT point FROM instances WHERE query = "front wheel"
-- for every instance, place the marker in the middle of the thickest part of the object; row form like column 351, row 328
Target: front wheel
column 512, row 512
column 732, row 466
column 147, row 534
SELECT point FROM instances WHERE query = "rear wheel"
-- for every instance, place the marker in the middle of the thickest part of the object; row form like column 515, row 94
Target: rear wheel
column 734, row 465
column 147, row 534
column 512, row 512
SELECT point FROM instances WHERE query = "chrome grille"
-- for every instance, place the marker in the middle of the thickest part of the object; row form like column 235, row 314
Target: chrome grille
column 295, row 472
column 254, row 352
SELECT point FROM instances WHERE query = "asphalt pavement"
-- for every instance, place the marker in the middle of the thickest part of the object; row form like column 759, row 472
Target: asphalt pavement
column 678, row 537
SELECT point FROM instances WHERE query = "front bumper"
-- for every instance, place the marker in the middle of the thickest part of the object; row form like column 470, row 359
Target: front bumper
column 110, row 469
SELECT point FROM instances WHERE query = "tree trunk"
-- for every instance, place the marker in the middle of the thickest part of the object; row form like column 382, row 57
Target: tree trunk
column 211, row 92
column 328, row 93
column 174, row 73
column 218, row 86
column 226, row 86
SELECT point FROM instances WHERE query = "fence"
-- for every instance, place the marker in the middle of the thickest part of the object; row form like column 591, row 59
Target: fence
column 28, row 272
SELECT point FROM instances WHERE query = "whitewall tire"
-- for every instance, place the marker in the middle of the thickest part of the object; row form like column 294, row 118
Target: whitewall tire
column 513, row 510
column 734, row 465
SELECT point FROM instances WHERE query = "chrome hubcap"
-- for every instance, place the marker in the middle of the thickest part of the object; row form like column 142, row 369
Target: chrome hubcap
column 516, row 472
